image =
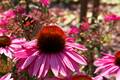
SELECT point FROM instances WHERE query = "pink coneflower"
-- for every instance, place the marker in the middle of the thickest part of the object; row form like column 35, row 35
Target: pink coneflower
column 51, row 51
column 108, row 65
column 6, row 77
column 9, row 44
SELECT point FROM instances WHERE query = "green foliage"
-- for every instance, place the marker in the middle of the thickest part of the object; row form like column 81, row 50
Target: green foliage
column 4, row 59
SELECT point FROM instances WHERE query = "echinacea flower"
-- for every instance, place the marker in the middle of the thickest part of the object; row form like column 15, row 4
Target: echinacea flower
column 9, row 44
column 6, row 77
column 108, row 65
column 51, row 51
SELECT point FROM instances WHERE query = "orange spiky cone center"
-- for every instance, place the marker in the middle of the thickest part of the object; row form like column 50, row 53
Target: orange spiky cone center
column 51, row 39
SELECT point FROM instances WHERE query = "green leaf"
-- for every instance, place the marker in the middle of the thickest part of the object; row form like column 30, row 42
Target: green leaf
column 4, row 59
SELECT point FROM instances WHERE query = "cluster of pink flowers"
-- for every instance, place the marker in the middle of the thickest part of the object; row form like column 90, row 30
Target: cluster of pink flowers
column 52, row 51
column 6, row 16
column 111, row 17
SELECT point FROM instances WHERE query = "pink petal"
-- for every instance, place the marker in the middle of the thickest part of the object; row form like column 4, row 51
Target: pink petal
column 67, row 62
column 30, row 69
column 12, row 50
column 77, row 46
column 6, row 77
column 98, row 62
column 30, row 44
column 76, row 66
column 77, row 58
column 37, row 64
column 101, row 62
column 2, row 50
column 42, row 67
column 107, row 71
column 18, row 41
column 102, row 67
column 9, row 54
column 21, row 54
column 46, row 68
column 54, row 65
column 118, row 75
column 63, row 69
column 28, row 61
column 15, row 46
column 98, row 78
column 114, row 70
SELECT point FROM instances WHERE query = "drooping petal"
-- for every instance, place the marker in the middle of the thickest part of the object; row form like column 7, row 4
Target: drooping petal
column 118, row 75
column 18, row 41
column 46, row 68
column 28, row 61
column 63, row 69
column 42, row 67
column 77, row 46
column 6, row 77
column 15, row 46
column 106, row 72
column 67, row 62
column 2, row 50
column 37, row 65
column 102, row 67
column 20, row 54
column 77, row 58
column 114, row 70
column 9, row 53
column 54, row 65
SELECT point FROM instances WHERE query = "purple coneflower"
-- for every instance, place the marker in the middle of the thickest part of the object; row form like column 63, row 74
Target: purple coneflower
column 108, row 65
column 51, row 51
column 9, row 44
